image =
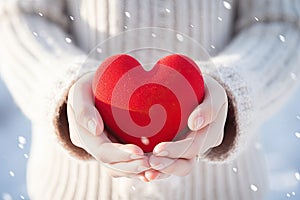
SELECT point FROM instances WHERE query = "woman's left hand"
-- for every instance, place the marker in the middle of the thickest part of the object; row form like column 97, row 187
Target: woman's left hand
column 206, row 124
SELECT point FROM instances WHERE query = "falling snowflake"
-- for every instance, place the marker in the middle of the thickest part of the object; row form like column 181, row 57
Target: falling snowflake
column 179, row 37
column 145, row 140
column 127, row 14
column 234, row 169
column 227, row 5
column 282, row 38
column 167, row 10
column 71, row 17
column 253, row 188
column 22, row 140
column 99, row 50
column 293, row 76
column 11, row 173
column 220, row 19
column 68, row 40
column 297, row 175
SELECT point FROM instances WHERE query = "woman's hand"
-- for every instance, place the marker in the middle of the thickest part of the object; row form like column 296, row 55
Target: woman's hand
column 87, row 131
column 206, row 123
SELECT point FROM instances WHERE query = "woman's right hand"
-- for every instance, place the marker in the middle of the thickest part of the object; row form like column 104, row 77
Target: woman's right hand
column 87, row 132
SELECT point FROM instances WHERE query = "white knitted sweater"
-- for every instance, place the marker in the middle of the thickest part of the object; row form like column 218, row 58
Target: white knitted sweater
column 256, row 47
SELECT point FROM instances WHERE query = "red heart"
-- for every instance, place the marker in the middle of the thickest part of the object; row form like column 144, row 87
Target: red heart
column 147, row 107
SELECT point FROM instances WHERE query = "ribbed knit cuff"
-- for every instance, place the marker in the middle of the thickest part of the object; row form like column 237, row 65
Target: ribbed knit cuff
column 58, row 116
column 240, row 111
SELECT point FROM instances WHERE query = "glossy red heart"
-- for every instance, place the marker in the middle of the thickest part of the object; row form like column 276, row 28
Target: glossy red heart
column 147, row 107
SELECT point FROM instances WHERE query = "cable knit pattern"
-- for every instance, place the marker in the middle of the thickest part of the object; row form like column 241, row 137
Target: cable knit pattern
column 253, row 43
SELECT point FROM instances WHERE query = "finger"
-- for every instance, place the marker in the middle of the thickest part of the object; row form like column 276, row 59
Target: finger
column 151, row 174
column 178, row 167
column 101, row 148
column 116, row 174
column 187, row 148
column 206, row 138
column 128, row 169
column 196, row 142
column 105, row 151
column 207, row 111
column 155, row 175
column 73, row 132
column 81, row 134
column 215, row 132
column 115, row 152
column 81, row 100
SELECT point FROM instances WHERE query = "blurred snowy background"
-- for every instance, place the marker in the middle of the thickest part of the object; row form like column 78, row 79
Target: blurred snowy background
column 15, row 132
column 280, row 140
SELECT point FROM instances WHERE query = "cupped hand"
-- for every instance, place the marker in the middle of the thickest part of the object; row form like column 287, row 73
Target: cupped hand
column 206, row 124
column 87, row 132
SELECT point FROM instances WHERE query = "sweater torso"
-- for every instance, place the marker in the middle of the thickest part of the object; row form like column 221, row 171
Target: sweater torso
column 210, row 23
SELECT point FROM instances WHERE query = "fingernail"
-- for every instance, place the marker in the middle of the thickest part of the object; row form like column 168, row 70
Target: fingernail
column 92, row 126
column 162, row 153
column 198, row 123
column 135, row 156
column 142, row 168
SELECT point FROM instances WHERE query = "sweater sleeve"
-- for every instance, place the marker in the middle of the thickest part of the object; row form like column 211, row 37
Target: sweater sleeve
column 258, row 69
column 39, row 62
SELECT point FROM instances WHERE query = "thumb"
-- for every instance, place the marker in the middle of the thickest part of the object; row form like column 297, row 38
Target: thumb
column 207, row 111
column 81, row 102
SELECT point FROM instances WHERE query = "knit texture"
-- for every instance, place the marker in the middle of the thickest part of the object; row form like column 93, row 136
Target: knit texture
column 254, row 44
